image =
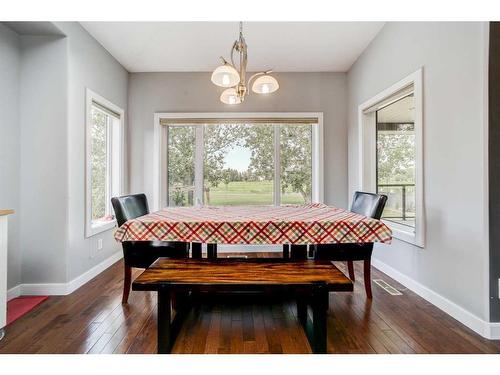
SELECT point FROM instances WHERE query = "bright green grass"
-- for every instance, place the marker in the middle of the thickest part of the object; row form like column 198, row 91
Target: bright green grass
column 249, row 193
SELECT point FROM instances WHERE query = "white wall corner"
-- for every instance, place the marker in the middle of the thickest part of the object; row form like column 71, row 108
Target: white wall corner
column 485, row 329
column 14, row 292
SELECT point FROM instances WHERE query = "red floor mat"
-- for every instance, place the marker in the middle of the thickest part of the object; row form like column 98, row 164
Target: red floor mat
column 19, row 306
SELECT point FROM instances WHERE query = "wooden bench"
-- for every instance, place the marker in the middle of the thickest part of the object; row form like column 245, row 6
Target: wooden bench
column 309, row 281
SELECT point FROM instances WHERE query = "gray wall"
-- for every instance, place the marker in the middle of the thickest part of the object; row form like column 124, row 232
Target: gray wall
column 90, row 66
column 43, row 182
column 194, row 92
column 43, row 81
column 454, row 262
column 10, row 144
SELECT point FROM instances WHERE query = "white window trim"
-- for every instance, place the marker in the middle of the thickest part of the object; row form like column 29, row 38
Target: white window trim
column 160, row 160
column 91, row 96
column 366, row 121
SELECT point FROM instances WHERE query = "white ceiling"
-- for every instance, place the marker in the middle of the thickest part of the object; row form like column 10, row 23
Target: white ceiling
column 196, row 46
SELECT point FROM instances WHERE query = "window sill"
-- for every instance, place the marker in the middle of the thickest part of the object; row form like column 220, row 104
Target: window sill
column 93, row 229
column 405, row 234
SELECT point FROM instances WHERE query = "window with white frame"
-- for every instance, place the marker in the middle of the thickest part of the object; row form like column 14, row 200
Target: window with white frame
column 390, row 139
column 104, row 134
column 247, row 160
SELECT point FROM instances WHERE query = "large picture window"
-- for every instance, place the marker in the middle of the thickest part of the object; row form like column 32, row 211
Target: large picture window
column 104, row 161
column 239, row 161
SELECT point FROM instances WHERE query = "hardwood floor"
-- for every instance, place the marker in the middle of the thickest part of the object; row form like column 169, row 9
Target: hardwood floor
column 93, row 320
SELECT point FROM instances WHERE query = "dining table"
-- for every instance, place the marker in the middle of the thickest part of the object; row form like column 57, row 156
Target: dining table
column 309, row 224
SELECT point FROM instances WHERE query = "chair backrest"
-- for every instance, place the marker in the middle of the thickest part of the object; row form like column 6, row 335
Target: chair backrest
column 129, row 207
column 368, row 204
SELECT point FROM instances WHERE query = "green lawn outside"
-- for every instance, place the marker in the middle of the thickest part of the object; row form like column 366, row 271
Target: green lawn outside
column 249, row 193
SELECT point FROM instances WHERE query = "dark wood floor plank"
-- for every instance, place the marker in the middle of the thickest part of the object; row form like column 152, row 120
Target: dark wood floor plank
column 93, row 320
column 271, row 331
column 201, row 333
column 145, row 341
column 261, row 343
column 225, row 333
column 133, row 331
column 213, row 333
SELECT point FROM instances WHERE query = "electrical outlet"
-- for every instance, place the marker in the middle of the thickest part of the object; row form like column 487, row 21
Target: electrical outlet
column 99, row 244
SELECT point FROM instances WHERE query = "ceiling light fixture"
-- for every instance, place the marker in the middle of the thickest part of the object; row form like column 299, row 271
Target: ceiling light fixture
column 234, row 79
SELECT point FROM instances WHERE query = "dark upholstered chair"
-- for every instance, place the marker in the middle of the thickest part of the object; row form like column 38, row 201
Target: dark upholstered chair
column 140, row 254
column 366, row 204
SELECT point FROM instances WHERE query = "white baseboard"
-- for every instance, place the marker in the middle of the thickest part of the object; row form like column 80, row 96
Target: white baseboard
column 77, row 282
column 493, row 331
column 61, row 289
column 486, row 329
column 48, row 289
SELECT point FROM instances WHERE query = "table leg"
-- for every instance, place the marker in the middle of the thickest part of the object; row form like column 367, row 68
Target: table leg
column 286, row 251
column 212, row 251
column 196, row 254
column 196, row 250
column 320, row 308
column 164, row 317
column 298, row 251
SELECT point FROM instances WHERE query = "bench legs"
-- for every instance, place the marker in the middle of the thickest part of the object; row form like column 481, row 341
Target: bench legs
column 164, row 317
column 302, row 311
column 168, row 329
column 320, row 308
column 316, row 331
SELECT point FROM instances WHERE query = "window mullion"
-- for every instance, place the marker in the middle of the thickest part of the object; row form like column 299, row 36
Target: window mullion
column 198, row 167
column 109, row 165
column 277, row 166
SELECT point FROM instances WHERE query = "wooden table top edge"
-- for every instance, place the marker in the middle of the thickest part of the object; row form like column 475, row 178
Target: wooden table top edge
column 344, row 287
column 4, row 212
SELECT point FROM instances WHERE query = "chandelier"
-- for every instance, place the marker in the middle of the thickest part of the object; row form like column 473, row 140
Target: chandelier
column 234, row 79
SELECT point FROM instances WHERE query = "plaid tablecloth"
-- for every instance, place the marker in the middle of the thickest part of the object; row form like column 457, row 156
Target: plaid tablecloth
column 308, row 224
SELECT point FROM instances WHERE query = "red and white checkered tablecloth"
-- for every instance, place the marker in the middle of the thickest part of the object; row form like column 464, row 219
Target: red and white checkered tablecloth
column 308, row 224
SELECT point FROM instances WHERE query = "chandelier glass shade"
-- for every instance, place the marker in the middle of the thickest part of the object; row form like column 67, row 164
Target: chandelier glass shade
column 265, row 84
column 230, row 96
column 225, row 76
column 233, row 78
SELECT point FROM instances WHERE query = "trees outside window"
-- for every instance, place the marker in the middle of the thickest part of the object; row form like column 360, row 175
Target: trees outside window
column 395, row 133
column 104, row 129
column 239, row 164
column 99, row 164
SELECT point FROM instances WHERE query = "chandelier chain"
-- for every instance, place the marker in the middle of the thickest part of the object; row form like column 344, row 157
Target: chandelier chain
column 224, row 75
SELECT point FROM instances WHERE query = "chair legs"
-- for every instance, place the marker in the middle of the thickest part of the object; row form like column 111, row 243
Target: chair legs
column 350, row 267
column 127, row 280
column 366, row 274
column 368, row 277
